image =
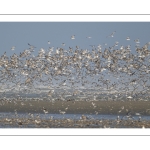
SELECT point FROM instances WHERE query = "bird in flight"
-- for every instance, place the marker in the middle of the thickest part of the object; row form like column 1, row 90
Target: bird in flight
column 112, row 34
column 137, row 41
column 73, row 37
column 63, row 44
column 13, row 48
column 128, row 38
column 88, row 37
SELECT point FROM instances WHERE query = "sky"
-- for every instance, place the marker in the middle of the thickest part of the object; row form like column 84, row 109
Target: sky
column 19, row 34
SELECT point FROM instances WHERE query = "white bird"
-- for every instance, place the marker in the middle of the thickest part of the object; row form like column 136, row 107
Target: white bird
column 73, row 37
column 13, row 48
column 62, row 112
column 45, row 110
column 49, row 42
column 118, row 118
column 137, row 41
column 129, row 97
column 94, row 105
column 137, row 114
column 121, row 47
column 37, row 121
column 128, row 38
column 116, row 43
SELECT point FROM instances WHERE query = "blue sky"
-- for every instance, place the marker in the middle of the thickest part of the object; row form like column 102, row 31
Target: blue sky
column 19, row 34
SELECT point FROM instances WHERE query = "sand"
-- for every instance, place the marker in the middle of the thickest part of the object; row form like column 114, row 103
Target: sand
column 74, row 107
column 69, row 123
column 77, row 107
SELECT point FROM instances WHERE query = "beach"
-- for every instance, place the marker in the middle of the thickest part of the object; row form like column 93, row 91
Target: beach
column 74, row 114
column 71, row 123
column 77, row 107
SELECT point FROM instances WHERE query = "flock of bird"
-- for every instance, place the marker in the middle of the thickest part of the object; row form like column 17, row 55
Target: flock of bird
column 99, row 73
column 114, row 70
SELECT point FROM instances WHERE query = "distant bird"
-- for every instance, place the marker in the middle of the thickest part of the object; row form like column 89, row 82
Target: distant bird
column 63, row 44
column 45, row 110
column 118, row 118
column 116, row 43
column 89, row 37
column 13, row 48
column 112, row 34
column 19, row 122
column 121, row 47
column 37, row 121
column 49, row 42
column 128, row 38
column 62, row 112
column 129, row 97
column 73, row 37
column 31, row 46
column 137, row 114
column 51, row 117
column 139, row 119
column 137, row 41
column 83, row 117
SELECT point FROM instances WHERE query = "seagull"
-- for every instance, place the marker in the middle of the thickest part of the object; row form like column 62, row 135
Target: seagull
column 73, row 37
column 49, row 42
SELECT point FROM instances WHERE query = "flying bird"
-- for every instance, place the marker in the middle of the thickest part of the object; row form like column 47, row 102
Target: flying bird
column 128, row 38
column 73, row 37
column 13, row 48
column 112, row 34
column 88, row 37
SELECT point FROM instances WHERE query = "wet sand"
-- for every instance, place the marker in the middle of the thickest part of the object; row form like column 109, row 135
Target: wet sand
column 69, row 123
column 74, row 107
column 77, row 107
